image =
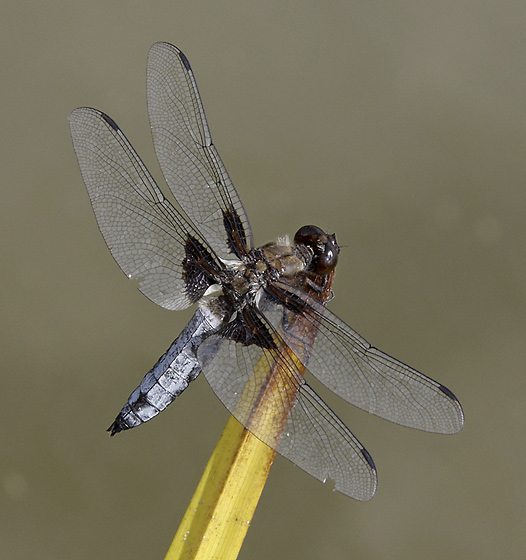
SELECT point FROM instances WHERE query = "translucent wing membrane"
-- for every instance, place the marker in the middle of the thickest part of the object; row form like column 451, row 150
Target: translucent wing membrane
column 262, row 386
column 189, row 161
column 253, row 356
column 146, row 235
column 363, row 375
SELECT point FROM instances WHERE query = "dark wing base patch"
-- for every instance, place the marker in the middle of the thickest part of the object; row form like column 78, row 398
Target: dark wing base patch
column 236, row 236
column 200, row 270
column 248, row 329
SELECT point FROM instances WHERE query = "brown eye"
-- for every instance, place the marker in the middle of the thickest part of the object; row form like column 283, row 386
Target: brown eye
column 325, row 263
column 323, row 246
column 308, row 235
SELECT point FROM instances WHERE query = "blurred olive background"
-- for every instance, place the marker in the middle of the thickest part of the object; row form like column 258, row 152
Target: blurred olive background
column 399, row 125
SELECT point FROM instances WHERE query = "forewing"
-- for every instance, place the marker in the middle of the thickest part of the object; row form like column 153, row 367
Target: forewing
column 260, row 384
column 146, row 235
column 361, row 374
column 189, row 160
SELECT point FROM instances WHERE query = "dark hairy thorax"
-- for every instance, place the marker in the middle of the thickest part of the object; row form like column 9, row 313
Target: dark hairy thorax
column 306, row 263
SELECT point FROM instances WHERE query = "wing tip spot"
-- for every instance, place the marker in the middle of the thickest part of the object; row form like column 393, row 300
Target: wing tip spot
column 184, row 60
column 448, row 393
column 368, row 458
column 459, row 422
column 110, row 121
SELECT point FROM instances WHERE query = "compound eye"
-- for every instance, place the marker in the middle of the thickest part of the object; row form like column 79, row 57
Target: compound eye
column 325, row 262
column 324, row 248
column 309, row 235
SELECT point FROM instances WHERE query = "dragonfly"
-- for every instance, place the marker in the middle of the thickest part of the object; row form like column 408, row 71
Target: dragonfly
column 249, row 299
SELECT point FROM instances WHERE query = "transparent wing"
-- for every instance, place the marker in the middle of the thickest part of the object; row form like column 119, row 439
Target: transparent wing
column 260, row 383
column 361, row 374
column 189, row 161
column 146, row 235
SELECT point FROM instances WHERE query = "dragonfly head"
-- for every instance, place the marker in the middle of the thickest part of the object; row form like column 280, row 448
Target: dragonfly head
column 323, row 245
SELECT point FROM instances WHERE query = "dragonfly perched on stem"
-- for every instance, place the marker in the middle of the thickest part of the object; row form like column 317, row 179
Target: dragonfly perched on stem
column 260, row 324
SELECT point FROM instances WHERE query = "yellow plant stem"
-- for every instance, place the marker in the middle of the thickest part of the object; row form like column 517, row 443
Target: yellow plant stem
column 217, row 519
column 220, row 511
